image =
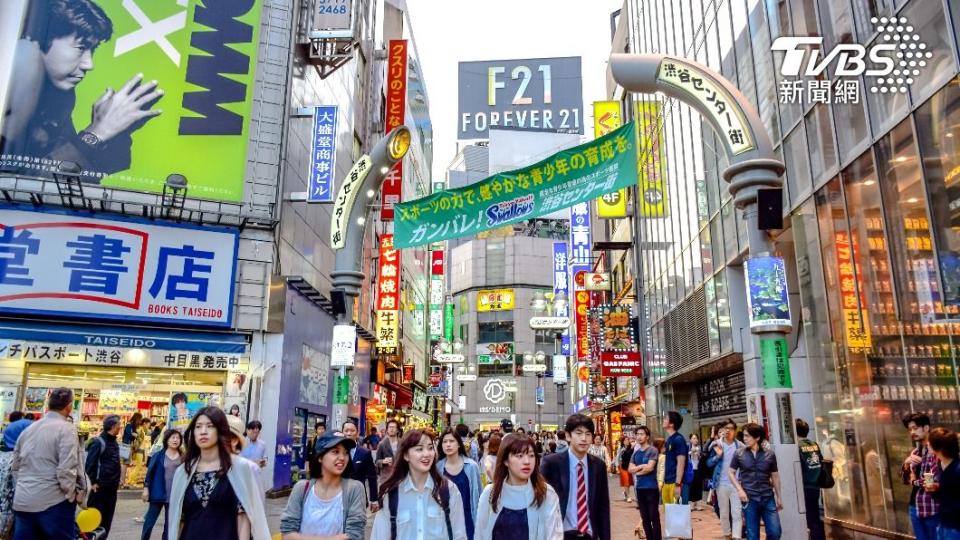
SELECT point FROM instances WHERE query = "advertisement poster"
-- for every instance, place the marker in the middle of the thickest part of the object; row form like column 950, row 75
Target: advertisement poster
column 775, row 359
column 184, row 405
column 314, row 377
column 235, row 397
column 35, row 400
column 168, row 85
column 571, row 176
column 767, row 297
column 561, row 285
column 117, row 402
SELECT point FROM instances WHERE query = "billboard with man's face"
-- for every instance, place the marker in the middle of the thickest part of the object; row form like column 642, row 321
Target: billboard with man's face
column 133, row 91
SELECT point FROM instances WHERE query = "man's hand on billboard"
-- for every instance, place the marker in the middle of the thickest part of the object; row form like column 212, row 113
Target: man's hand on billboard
column 116, row 111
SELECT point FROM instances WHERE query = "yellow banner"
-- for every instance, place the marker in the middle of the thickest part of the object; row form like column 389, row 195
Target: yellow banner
column 495, row 300
column 606, row 118
column 388, row 328
column 651, row 161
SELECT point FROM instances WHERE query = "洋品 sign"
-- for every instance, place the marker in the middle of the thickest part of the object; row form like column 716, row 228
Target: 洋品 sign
column 64, row 264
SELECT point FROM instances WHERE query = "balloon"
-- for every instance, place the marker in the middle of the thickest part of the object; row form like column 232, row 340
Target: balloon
column 88, row 519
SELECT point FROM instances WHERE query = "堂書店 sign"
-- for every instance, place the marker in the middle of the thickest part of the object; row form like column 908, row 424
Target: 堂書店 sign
column 64, row 264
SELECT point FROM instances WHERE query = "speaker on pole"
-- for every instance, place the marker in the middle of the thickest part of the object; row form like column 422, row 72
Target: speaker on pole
column 769, row 209
column 338, row 302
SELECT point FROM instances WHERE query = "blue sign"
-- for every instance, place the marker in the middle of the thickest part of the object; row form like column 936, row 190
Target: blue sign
column 561, row 284
column 580, row 234
column 323, row 154
column 768, row 299
column 540, row 396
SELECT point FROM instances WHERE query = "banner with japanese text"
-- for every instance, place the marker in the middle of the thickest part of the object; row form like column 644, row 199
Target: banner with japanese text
column 606, row 118
column 561, row 285
column 146, row 89
column 388, row 297
column 65, row 264
column 571, row 176
column 396, row 108
column 323, row 154
column 855, row 320
column 652, row 166
column 618, row 344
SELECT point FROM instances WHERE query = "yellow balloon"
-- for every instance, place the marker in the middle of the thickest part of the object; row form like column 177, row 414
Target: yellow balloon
column 88, row 519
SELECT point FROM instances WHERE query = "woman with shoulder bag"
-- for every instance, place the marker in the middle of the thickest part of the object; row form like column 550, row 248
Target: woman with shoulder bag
column 330, row 507
column 159, row 480
column 419, row 503
column 214, row 496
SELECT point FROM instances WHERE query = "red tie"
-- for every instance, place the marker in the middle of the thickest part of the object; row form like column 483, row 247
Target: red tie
column 583, row 519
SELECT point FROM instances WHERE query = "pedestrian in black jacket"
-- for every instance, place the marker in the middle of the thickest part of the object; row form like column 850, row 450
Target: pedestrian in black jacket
column 103, row 468
column 360, row 467
column 573, row 472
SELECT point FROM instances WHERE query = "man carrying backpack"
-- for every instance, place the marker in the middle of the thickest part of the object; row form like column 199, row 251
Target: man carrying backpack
column 811, row 467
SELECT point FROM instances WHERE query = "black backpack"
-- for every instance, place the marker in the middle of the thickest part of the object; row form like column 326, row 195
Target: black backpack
column 393, row 500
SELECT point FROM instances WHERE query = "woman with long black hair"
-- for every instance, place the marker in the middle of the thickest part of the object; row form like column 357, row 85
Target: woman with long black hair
column 213, row 497
column 463, row 472
column 419, row 503
column 158, row 481
column 518, row 504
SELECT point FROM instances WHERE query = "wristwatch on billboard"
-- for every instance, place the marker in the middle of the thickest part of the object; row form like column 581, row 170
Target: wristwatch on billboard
column 90, row 139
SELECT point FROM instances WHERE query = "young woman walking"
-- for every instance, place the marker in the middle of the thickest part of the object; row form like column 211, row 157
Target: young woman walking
column 214, row 497
column 330, row 507
column 418, row 503
column 159, row 480
column 463, row 472
column 518, row 504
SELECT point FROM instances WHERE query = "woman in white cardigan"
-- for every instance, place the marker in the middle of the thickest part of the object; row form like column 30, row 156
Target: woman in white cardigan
column 518, row 504
column 214, row 495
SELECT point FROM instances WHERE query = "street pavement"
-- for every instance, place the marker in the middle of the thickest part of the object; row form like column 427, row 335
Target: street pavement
column 624, row 518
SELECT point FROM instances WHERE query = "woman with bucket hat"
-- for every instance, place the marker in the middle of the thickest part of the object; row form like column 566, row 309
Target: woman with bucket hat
column 330, row 506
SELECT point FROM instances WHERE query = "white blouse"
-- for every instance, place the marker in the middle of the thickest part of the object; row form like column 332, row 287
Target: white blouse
column 543, row 522
column 320, row 517
column 419, row 517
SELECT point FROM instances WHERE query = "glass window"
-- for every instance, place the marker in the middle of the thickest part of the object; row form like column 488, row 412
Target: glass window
column 716, row 233
column 762, row 59
column 836, row 22
column 741, row 36
column 713, row 322
column 706, row 251
column 710, row 21
column 853, row 131
column 723, row 313
column 496, row 262
column 730, row 245
column 495, row 332
column 823, row 153
column 728, row 66
column 864, row 10
column 933, row 52
column 938, row 130
column 710, row 168
column 798, row 164
column 778, row 15
column 886, row 109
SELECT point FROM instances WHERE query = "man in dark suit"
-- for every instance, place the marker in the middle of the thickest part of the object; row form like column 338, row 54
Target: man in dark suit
column 580, row 481
column 361, row 466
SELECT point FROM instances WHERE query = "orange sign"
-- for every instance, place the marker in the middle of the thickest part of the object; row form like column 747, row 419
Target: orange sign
column 388, row 295
column 856, row 323
column 583, row 373
column 396, row 108
column 582, row 306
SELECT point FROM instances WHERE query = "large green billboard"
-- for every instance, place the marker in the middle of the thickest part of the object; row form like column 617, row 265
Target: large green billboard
column 134, row 90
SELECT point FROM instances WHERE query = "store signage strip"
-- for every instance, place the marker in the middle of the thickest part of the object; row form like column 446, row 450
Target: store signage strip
column 396, row 109
column 323, row 154
column 67, row 353
column 66, row 265
column 117, row 337
column 606, row 118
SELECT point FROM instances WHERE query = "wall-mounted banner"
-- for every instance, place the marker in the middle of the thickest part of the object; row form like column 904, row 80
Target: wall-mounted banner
column 768, row 301
column 170, row 85
column 388, row 296
column 775, row 359
column 495, row 353
column 495, row 300
column 65, row 264
column 396, row 109
column 323, row 154
column 520, row 95
column 562, row 180
column 855, row 318
column 652, row 164
column 559, row 369
column 561, row 284
column 606, row 118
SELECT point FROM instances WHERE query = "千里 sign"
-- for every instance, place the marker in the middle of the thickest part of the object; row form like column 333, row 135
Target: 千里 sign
column 323, row 154
column 768, row 301
column 65, row 264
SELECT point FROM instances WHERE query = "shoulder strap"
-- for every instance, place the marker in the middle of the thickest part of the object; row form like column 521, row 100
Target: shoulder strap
column 394, row 501
column 445, row 504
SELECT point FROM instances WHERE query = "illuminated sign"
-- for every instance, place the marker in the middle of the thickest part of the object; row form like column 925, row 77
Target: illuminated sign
column 495, row 300
column 396, row 108
column 388, row 295
column 606, row 118
column 856, row 323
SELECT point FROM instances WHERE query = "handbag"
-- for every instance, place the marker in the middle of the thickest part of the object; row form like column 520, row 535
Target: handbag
column 825, row 480
column 125, row 450
column 677, row 521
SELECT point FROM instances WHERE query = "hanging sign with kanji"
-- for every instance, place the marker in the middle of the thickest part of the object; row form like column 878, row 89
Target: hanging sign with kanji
column 323, row 154
column 64, row 264
column 564, row 179
column 855, row 319
column 396, row 108
column 388, row 295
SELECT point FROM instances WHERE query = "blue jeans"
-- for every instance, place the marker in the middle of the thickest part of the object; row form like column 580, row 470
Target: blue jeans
column 54, row 523
column 944, row 533
column 765, row 508
column 924, row 528
column 150, row 519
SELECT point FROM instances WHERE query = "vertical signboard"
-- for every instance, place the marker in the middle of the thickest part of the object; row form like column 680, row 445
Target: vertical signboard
column 606, row 118
column 323, row 154
column 561, row 284
column 581, row 306
column 396, row 107
column 775, row 360
column 580, row 263
column 618, row 345
column 856, row 323
column 388, row 296
column 343, row 348
column 448, row 322
column 768, row 301
column 651, row 161
column 436, row 294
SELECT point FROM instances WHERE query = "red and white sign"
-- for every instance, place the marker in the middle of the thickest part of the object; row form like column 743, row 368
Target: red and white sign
column 620, row 364
column 388, row 295
column 396, row 108
column 436, row 265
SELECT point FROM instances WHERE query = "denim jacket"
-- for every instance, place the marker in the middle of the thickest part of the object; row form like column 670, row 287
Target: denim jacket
column 715, row 461
column 472, row 470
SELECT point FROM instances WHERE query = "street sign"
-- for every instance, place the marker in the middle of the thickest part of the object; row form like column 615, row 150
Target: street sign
column 550, row 323
column 450, row 358
column 534, row 368
column 466, row 377
column 343, row 349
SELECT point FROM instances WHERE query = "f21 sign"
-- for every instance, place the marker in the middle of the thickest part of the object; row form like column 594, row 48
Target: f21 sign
column 540, row 94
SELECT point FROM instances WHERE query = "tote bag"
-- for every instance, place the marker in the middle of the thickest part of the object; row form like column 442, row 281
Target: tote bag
column 677, row 521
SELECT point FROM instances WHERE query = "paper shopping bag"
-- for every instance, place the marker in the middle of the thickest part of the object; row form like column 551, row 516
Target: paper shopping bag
column 677, row 518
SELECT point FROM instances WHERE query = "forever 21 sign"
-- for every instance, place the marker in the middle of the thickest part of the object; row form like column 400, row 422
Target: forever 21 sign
column 722, row 396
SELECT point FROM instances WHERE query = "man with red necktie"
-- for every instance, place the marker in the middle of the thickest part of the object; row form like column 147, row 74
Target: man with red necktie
column 580, row 481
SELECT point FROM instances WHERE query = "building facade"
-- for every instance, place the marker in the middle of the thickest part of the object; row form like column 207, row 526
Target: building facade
column 868, row 236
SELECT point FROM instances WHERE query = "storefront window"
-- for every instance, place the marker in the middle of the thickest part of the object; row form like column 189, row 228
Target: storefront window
column 938, row 130
column 935, row 60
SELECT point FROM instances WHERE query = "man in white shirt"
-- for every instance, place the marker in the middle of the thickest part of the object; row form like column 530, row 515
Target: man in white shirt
column 721, row 455
column 255, row 449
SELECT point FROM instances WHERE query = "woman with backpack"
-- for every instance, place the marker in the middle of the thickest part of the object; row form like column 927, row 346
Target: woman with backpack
column 329, row 507
column 623, row 463
column 419, row 503
column 518, row 504
column 159, row 480
column 462, row 471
